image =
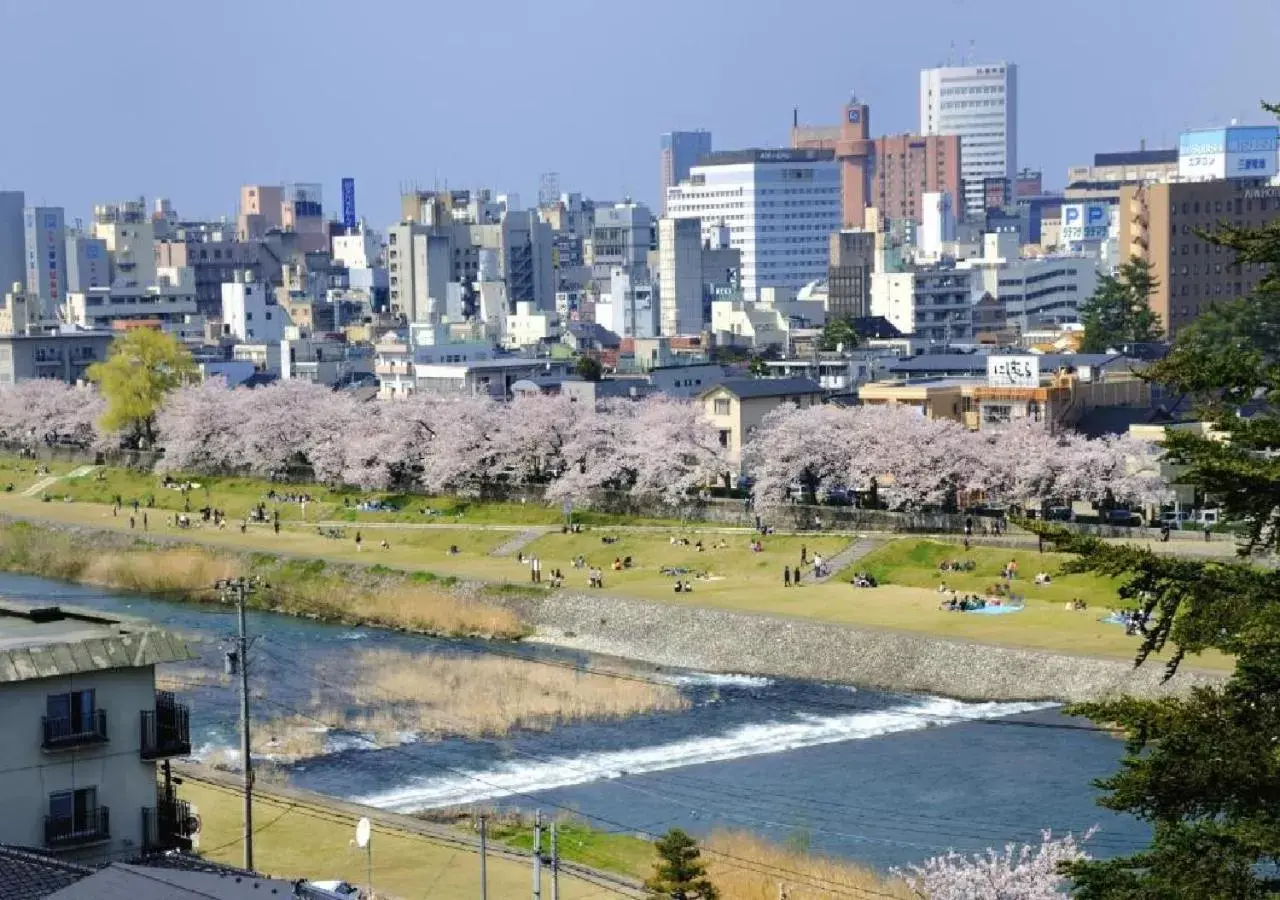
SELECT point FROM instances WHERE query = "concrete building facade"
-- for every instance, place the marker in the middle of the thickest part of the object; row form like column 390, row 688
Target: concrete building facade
column 980, row 105
column 1159, row 223
column 780, row 207
column 680, row 285
column 13, row 240
column 88, row 263
column 46, row 246
column 853, row 255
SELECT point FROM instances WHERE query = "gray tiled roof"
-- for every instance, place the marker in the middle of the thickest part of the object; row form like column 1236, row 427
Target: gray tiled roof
column 29, row 875
column 747, row 388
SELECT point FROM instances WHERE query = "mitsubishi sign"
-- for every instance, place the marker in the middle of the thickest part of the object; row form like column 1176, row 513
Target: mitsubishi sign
column 1241, row 151
column 1085, row 222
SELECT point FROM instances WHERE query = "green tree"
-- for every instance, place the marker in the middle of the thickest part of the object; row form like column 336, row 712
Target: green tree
column 588, row 368
column 839, row 332
column 143, row 366
column 1204, row 769
column 679, row 873
column 1119, row 312
column 757, row 368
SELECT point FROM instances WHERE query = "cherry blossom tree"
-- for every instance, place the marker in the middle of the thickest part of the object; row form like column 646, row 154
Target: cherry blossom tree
column 813, row 447
column 1019, row 873
column 44, row 411
column 597, row 456
column 200, row 426
column 674, row 449
column 459, row 456
column 529, row 436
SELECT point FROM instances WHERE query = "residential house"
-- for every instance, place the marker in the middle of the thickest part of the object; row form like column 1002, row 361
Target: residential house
column 737, row 406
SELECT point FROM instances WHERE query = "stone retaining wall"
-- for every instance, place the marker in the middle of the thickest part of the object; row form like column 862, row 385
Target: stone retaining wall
column 722, row 641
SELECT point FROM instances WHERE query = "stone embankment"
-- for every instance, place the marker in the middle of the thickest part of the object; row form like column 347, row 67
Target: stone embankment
column 723, row 641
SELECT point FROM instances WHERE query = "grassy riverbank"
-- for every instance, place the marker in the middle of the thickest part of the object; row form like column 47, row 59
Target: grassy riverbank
column 416, row 601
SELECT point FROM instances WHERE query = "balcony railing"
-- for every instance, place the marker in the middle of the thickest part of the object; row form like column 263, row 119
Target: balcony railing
column 71, row 831
column 74, row 731
column 168, row 826
column 166, row 730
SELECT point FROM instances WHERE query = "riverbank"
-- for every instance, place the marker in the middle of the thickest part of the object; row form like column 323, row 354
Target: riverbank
column 836, row 638
column 313, row 588
column 717, row 640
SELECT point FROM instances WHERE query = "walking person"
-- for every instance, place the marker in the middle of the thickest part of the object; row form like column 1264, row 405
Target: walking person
column 1206, row 534
column 359, row 541
column 537, row 570
column 786, row 576
column 804, row 554
column 144, row 521
column 131, row 521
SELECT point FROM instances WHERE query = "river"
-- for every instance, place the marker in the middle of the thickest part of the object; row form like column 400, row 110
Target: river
column 886, row 779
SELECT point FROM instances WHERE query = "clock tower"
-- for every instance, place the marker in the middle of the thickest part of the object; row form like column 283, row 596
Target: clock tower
column 854, row 150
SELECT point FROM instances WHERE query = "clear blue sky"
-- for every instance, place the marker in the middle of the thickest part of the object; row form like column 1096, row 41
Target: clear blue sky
column 188, row 99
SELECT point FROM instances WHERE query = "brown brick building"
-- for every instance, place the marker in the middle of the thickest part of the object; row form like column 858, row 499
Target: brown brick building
column 889, row 173
column 1158, row 222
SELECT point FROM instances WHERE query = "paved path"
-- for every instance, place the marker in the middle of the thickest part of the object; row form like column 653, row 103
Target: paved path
column 519, row 542
column 45, row 483
column 843, row 559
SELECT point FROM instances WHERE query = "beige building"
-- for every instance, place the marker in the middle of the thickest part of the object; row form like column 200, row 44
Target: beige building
column 1059, row 400
column 736, row 407
column 84, row 726
column 1159, row 223
column 261, row 210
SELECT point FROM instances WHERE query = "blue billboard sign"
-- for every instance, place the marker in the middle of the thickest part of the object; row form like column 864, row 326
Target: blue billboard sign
column 349, row 202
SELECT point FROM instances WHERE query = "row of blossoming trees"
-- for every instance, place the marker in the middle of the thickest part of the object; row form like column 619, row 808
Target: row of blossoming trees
column 659, row 448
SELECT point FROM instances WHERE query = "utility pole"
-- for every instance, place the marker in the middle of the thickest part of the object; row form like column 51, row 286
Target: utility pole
column 537, row 854
column 484, row 881
column 238, row 589
column 555, row 865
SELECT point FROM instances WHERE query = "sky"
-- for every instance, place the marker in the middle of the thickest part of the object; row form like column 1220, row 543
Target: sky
column 187, row 100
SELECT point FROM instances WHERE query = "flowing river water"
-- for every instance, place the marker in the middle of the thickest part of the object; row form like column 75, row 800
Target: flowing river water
column 886, row 779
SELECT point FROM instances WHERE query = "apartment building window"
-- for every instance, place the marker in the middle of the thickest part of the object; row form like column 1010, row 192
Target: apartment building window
column 74, row 816
column 721, row 407
column 72, row 717
column 724, row 437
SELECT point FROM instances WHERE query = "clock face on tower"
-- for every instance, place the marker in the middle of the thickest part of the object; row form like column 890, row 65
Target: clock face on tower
column 855, row 115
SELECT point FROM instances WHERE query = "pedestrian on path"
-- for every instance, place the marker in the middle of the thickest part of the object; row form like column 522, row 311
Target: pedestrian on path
column 804, row 554
column 786, row 576
column 1206, row 534
column 359, row 541
column 144, row 521
column 131, row 521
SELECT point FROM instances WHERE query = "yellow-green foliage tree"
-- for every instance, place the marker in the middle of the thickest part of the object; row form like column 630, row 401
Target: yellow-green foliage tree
column 143, row 366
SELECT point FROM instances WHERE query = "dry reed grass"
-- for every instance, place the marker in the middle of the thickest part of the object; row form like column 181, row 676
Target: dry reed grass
column 176, row 571
column 417, row 608
column 174, row 678
column 488, row 697
column 819, row 872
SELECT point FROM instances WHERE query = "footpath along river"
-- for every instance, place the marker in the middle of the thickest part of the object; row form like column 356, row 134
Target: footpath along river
column 882, row 778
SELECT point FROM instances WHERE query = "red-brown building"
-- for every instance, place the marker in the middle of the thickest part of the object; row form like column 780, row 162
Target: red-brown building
column 890, row 173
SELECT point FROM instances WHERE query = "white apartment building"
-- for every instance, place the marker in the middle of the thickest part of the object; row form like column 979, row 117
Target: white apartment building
column 169, row 300
column 1035, row 291
column 932, row 304
column 630, row 309
column 84, row 726
column 780, row 207
column 529, row 327
column 130, row 238
column 980, row 104
column 250, row 312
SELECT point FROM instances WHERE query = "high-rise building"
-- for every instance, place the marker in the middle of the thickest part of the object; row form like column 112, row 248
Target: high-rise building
column 780, row 207
column 130, row 238
column 680, row 276
column 890, row 173
column 853, row 256
column 46, row 243
column 681, row 151
column 1162, row 224
column 88, row 263
column 980, row 104
column 13, row 241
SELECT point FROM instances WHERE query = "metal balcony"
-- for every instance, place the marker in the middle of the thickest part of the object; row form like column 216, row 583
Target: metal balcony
column 62, row 733
column 166, row 730
column 169, row 825
column 72, row 831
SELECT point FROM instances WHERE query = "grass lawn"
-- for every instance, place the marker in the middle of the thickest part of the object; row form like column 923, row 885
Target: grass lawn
column 237, row 495
column 21, row 473
column 295, row 842
column 577, row 842
column 907, row 570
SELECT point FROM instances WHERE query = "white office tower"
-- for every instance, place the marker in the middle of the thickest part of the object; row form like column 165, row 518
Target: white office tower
column 980, row 104
column 938, row 225
column 780, row 207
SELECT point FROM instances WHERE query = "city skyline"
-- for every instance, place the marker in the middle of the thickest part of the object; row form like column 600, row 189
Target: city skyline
column 192, row 127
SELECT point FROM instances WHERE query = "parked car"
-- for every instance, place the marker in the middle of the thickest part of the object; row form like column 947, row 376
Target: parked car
column 1058, row 514
column 1122, row 517
column 339, row 890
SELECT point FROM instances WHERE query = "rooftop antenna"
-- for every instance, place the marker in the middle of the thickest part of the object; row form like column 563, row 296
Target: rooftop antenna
column 795, row 117
column 972, row 55
column 951, row 54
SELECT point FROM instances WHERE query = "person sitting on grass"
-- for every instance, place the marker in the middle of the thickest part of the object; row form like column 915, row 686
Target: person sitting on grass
column 453, row 549
column 617, row 564
column 1042, row 578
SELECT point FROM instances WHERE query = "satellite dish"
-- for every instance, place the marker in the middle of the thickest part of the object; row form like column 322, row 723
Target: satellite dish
column 363, row 832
